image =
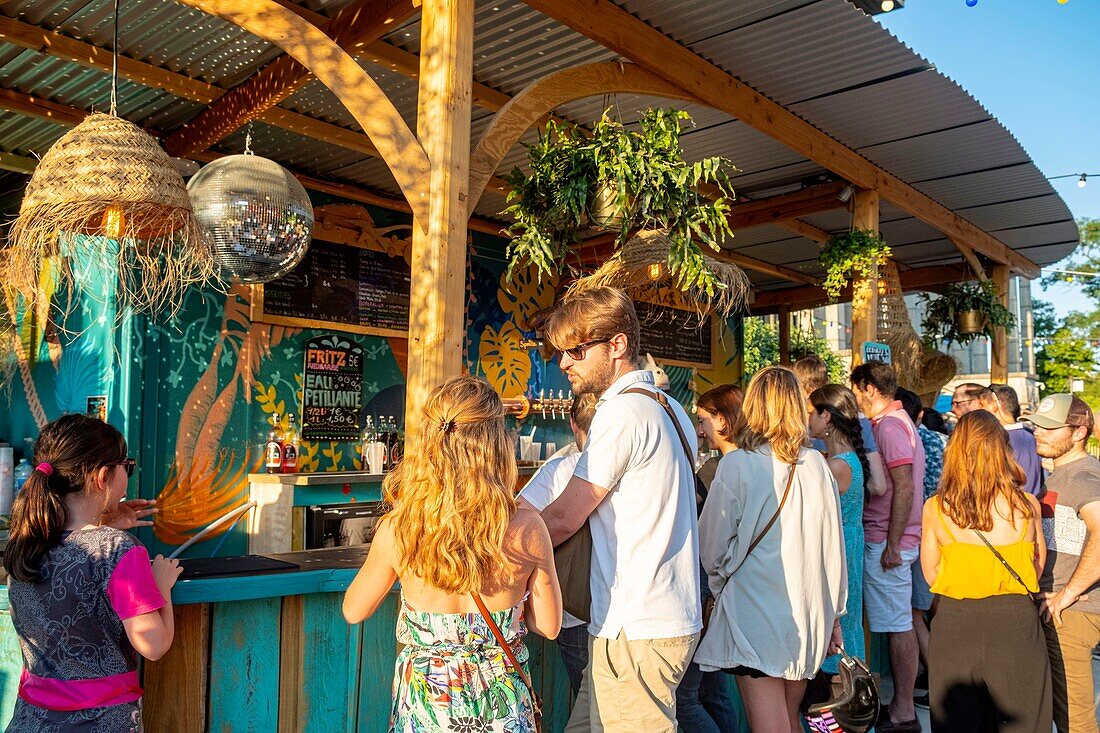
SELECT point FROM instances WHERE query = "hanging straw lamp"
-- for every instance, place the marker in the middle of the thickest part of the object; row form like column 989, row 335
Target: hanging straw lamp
column 107, row 196
column 640, row 267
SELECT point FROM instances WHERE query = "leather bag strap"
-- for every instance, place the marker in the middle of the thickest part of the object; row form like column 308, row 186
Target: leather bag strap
column 786, row 492
column 1008, row 567
column 507, row 649
column 662, row 400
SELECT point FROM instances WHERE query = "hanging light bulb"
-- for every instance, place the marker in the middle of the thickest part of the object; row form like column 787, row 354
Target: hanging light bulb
column 655, row 271
column 887, row 5
column 114, row 222
column 1083, row 180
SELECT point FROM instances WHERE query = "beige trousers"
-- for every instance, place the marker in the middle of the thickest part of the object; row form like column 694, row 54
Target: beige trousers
column 630, row 685
column 1070, row 647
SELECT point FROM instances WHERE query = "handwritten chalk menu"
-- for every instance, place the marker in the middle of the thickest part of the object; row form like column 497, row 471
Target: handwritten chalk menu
column 343, row 287
column 332, row 388
column 676, row 336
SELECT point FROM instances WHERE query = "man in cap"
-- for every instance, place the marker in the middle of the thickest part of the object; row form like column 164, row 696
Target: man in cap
column 1071, row 526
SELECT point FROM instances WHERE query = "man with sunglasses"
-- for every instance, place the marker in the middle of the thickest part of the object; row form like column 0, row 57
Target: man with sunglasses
column 636, row 482
column 1071, row 526
column 967, row 398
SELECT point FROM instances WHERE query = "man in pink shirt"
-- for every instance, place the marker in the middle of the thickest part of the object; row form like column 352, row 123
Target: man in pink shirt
column 891, row 523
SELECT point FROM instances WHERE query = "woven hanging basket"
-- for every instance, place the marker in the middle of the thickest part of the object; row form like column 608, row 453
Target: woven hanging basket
column 641, row 267
column 919, row 368
column 110, row 181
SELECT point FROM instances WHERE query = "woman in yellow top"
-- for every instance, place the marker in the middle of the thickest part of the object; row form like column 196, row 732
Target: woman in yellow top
column 988, row 666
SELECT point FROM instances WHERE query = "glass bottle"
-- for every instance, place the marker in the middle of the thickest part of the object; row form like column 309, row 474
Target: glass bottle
column 273, row 451
column 291, row 439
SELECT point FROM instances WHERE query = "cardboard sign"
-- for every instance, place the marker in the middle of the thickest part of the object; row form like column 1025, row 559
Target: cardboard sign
column 332, row 388
column 876, row 351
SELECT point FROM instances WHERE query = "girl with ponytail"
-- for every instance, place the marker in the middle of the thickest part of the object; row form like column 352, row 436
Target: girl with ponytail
column 835, row 420
column 84, row 598
column 455, row 531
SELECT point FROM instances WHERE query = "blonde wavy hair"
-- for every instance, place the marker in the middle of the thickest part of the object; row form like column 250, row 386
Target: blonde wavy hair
column 773, row 414
column 452, row 494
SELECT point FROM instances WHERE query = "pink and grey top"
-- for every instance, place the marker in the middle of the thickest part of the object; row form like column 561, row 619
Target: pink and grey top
column 75, row 651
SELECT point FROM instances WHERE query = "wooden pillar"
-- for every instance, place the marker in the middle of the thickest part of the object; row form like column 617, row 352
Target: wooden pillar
column 438, row 293
column 864, row 292
column 998, row 370
column 785, row 336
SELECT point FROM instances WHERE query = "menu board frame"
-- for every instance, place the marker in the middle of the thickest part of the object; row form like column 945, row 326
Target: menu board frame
column 336, row 236
column 714, row 336
column 336, row 349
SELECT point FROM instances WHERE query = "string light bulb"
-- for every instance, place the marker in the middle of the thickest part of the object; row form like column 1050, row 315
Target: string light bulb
column 887, row 5
column 655, row 271
column 1083, row 180
column 114, row 222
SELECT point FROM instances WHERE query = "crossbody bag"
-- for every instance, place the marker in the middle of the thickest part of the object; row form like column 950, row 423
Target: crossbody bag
column 536, row 700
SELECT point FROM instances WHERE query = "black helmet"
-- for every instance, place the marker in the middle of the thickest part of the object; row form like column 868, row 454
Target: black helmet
column 855, row 709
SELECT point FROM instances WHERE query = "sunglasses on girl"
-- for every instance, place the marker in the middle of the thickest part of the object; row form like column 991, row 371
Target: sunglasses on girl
column 129, row 463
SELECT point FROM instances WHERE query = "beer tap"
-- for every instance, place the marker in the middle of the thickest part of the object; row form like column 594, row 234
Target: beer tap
column 542, row 402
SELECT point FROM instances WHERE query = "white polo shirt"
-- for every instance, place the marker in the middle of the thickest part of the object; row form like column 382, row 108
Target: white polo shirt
column 645, row 544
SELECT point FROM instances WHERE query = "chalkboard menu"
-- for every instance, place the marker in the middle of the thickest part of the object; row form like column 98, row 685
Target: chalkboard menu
column 332, row 388
column 676, row 336
column 335, row 285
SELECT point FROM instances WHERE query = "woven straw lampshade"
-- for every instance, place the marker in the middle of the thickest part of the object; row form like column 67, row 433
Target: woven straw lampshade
column 110, row 181
column 641, row 267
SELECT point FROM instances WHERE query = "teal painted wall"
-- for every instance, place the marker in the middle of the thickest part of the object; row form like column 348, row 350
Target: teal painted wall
column 197, row 390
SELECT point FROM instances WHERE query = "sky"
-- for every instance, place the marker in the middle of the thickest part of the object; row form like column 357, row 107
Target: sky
column 1035, row 65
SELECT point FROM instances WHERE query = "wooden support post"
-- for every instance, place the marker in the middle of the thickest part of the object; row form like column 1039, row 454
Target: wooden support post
column 785, row 336
column 998, row 369
column 864, row 292
column 438, row 295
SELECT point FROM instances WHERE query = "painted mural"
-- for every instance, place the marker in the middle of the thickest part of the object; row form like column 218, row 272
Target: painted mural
column 195, row 394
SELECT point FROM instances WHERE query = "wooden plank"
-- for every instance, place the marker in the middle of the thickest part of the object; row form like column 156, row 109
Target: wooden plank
column 998, row 370
column 361, row 22
column 244, row 666
column 438, row 297
column 291, row 654
column 812, row 296
column 776, row 209
column 785, row 335
column 328, row 697
column 175, row 684
column 612, row 26
column 324, row 57
column 17, row 163
column 377, row 668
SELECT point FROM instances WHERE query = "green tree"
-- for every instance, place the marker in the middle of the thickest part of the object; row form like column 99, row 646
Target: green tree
column 1086, row 259
column 1065, row 357
column 1043, row 318
column 762, row 349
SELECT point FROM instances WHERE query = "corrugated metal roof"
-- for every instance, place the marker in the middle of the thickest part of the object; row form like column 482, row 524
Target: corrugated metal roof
column 836, row 67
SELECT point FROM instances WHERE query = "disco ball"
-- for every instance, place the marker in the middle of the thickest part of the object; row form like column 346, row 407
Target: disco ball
column 255, row 214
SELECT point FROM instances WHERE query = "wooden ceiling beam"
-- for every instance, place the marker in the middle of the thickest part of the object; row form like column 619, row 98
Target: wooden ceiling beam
column 67, row 116
column 352, row 28
column 784, row 207
column 613, row 27
column 802, row 298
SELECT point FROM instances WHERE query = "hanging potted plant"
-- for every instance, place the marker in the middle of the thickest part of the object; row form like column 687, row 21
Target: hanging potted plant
column 964, row 311
column 851, row 256
column 624, row 180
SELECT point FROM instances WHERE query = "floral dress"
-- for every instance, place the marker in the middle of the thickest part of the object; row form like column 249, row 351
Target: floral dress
column 452, row 675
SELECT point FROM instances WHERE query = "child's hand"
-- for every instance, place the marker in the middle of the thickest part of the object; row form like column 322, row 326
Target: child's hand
column 165, row 573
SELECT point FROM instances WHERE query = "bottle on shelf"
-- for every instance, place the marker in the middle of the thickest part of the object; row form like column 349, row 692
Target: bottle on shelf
column 367, row 437
column 291, row 439
column 273, row 452
column 21, row 473
column 388, row 438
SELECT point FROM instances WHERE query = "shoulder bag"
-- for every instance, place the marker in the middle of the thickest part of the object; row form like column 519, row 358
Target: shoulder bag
column 536, row 700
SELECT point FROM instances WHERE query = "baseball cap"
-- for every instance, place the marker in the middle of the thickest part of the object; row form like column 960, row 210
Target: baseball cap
column 1061, row 410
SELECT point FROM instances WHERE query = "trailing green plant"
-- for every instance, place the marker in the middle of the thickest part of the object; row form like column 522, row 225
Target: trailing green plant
column 654, row 188
column 940, row 322
column 851, row 256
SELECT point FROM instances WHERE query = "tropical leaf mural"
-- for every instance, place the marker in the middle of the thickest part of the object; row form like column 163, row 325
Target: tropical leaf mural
column 505, row 364
column 526, row 293
column 728, row 361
